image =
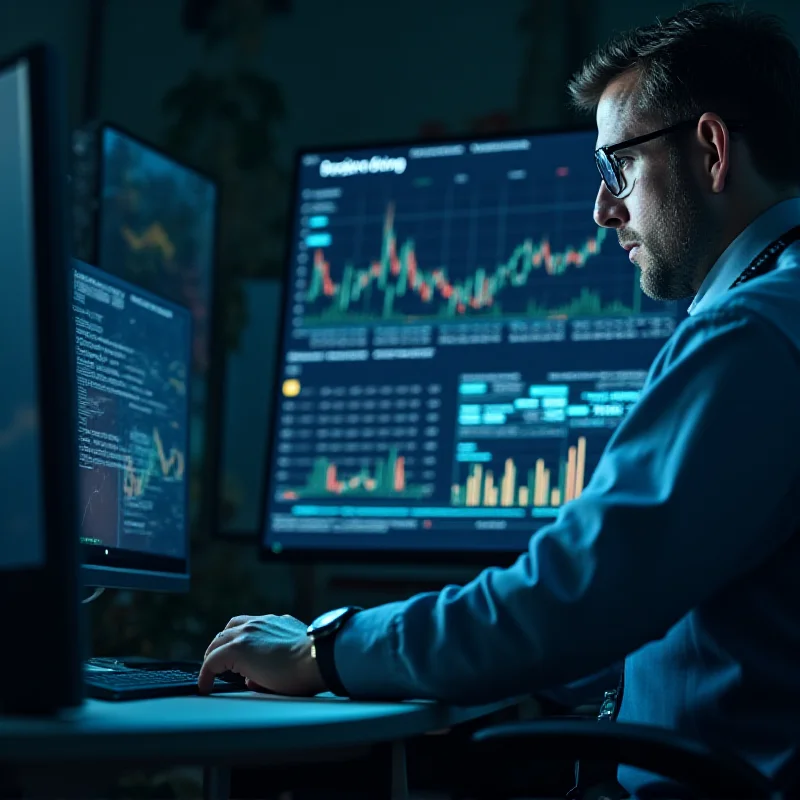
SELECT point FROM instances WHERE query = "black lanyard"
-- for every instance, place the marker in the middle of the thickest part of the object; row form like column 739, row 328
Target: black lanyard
column 767, row 259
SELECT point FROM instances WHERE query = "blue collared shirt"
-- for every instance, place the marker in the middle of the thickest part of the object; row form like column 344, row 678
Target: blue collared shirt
column 681, row 556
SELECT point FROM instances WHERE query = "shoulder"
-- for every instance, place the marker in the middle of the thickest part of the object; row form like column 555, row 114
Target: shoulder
column 774, row 297
column 728, row 331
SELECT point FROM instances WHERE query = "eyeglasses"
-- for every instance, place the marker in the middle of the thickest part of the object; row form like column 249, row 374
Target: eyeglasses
column 610, row 168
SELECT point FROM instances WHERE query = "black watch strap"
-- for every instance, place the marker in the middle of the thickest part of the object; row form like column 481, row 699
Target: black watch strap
column 326, row 663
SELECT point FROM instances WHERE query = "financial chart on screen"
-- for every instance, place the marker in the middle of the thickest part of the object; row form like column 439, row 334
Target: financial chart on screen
column 133, row 354
column 461, row 340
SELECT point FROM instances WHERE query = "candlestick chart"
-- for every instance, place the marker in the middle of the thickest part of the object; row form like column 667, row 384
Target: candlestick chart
column 538, row 278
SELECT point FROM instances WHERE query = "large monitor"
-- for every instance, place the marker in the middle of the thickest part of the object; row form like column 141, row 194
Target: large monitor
column 460, row 341
column 38, row 529
column 133, row 391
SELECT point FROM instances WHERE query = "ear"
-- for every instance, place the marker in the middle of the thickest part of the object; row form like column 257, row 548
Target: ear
column 714, row 138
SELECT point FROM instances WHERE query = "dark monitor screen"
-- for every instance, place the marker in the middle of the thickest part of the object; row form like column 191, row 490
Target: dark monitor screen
column 22, row 537
column 460, row 341
column 39, row 568
column 133, row 352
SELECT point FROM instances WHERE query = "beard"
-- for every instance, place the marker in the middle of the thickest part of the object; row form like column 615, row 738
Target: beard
column 679, row 247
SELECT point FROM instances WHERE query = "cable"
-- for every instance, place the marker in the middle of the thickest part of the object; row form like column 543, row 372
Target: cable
column 97, row 592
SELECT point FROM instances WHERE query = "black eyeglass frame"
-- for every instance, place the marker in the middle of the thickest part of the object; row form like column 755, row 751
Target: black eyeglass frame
column 609, row 167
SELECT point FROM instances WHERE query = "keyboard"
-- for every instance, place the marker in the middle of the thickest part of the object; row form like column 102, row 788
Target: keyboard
column 106, row 679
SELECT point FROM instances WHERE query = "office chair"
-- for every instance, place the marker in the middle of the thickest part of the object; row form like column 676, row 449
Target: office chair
column 705, row 772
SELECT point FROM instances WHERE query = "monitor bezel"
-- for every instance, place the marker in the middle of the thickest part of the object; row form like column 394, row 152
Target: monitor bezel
column 212, row 428
column 51, row 592
column 130, row 568
column 397, row 556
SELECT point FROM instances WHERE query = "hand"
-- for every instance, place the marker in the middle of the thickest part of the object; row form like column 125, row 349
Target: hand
column 270, row 652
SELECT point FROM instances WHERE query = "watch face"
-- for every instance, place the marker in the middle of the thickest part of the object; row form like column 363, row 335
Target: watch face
column 328, row 618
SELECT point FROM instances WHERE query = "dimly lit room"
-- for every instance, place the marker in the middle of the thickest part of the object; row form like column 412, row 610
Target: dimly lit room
column 387, row 395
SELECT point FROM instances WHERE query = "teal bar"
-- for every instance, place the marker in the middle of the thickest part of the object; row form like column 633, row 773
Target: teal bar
column 319, row 240
column 596, row 397
column 472, row 388
column 549, row 391
column 394, row 511
column 577, row 411
column 498, row 408
column 512, row 513
column 473, row 457
column 554, row 402
column 624, row 397
column 544, row 512
column 467, row 447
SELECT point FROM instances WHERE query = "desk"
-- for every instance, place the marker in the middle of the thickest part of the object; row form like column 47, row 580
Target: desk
column 220, row 731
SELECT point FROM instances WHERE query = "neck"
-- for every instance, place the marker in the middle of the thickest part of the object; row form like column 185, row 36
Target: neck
column 753, row 206
column 738, row 214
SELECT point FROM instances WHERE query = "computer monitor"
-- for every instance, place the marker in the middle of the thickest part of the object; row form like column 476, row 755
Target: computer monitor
column 38, row 532
column 152, row 220
column 133, row 357
column 460, row 342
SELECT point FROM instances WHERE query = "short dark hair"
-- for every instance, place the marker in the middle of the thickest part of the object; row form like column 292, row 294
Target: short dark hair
column 719, row 57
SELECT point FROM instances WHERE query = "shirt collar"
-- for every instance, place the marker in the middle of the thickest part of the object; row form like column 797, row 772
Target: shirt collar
column 764, row 230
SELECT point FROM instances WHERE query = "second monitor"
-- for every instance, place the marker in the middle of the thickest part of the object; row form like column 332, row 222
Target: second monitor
column 133, row 353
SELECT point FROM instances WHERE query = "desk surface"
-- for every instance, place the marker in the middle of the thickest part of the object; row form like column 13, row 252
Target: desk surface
column 220, row 727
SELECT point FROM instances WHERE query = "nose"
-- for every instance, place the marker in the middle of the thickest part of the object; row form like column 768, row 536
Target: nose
column 609, row 211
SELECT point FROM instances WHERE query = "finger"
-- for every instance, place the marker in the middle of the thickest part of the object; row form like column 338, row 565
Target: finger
column 226, row 657
column 236, row 621
column 223, row 637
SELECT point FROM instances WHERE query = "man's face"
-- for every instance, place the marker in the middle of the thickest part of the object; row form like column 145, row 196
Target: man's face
column 665, row 216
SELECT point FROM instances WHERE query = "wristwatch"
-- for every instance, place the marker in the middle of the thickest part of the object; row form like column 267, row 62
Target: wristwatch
column 322, row 632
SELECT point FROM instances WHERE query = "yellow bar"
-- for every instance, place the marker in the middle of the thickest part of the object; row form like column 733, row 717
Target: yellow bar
column 478, row 483
column 488, row 488
column 508, row 484
column 580, row 466
column 555, row 497
column 538, row 489
column 569, row 489
column 523, row 495
column 545, row 487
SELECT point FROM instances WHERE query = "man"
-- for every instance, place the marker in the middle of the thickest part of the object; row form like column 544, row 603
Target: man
column 683, row 553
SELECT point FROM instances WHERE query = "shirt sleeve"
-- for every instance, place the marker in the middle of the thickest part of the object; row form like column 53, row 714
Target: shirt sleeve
column 693, row 490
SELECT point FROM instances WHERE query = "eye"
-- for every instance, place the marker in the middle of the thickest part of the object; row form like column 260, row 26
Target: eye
column 624, row 161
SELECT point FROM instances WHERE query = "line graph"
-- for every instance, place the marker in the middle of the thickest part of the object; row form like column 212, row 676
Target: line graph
column 397, row 285
column 136, row 481
column 153, row 237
